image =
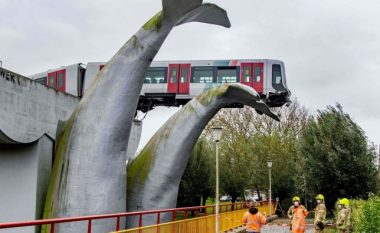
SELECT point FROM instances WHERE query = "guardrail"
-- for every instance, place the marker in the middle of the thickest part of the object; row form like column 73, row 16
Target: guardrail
column 177, row 213
column 227, row 221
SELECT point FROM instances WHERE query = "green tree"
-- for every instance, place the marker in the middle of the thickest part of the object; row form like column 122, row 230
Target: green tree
column 197, row 181
column 338, row 160
column 250, row 139
column 235, row 160
column 279, row 141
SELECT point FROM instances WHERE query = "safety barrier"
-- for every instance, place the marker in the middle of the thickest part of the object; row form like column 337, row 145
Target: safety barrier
column 227, row 221
column 229, row 214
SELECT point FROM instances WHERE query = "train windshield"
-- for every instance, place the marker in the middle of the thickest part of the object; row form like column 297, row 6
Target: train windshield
column 277, row 77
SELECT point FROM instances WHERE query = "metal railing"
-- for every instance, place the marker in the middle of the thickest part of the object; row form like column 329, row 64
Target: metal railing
column 227, row 221
column 177, row 214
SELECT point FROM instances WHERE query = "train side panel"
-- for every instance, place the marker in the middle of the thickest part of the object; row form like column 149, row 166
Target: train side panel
column 64, row 79
column 71, row 79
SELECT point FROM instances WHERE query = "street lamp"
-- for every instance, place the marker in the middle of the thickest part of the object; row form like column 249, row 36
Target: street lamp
column 216, row 134
column 270, row 186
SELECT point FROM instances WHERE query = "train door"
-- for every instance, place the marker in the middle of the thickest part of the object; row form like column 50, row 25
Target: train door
column 179, row 78
column 61, row 81
column 57, row 80
column 252, row 75
column 51, row 77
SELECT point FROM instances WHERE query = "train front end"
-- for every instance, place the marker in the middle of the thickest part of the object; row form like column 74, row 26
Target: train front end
column 277, row 93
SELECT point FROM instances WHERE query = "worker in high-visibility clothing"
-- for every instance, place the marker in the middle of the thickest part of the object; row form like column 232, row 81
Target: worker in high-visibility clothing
column 297, row 214
column 320, row 214
column 343, row 222
column 253, row 219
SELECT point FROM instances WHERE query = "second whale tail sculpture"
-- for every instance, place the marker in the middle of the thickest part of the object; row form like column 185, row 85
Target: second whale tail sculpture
column 154, row 175
column 89, row 169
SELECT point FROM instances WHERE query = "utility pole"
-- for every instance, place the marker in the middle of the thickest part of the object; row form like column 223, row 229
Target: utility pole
column 217, row 133
column 270, row 186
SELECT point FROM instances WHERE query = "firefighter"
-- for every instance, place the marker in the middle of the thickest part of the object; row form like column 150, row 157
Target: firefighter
column 253, row 219
column 343, row 222
column 320, row 214
column 297, row 214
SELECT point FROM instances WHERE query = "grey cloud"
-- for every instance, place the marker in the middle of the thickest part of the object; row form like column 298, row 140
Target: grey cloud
column 330, row 48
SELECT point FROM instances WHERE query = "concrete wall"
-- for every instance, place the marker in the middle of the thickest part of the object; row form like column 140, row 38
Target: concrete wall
column 24, row 176
column 28, row 109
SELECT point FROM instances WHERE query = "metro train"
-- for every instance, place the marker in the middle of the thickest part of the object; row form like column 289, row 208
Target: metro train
column 174, row 83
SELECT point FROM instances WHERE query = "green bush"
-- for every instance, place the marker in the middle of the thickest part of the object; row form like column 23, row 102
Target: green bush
column 356, row 217
column 366, row 216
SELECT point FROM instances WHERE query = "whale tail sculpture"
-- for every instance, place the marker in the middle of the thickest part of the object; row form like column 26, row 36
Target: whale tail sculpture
column 194, row 11
column 89, row 175
column 155, row 174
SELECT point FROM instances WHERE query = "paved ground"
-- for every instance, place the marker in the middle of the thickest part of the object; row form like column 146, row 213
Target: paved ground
column 279, row 226
column 276, row 228
column 281, row 229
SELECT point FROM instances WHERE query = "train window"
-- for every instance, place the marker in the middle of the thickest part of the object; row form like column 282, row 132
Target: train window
column 173, row 75
column 183, row 75
column 227, row 75
column 155, row 75
column 202, row 75
column 276, row 74
column 247, row 75
column 60, row 80
column 51, row 82
column 257, row 74
column 41, row 80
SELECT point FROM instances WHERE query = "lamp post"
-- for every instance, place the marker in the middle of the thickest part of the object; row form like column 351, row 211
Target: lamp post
column 270, row 186
column 217, row 133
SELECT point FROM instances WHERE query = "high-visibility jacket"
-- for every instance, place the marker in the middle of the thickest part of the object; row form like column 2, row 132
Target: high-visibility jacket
column 254, row 222
column 298, row 215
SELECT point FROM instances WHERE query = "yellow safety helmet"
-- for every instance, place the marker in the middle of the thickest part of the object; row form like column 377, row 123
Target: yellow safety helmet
column 296, row 198
column 344, row 201
column 320, row 197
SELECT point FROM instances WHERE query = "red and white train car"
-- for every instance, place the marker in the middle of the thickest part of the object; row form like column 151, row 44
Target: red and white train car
column 68, row 79
column 174, row 83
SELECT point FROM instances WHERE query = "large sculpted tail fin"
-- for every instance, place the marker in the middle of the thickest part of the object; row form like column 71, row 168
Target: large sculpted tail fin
column 185, row 11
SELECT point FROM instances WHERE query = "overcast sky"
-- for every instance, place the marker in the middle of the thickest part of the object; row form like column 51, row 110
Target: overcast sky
column 331, row 48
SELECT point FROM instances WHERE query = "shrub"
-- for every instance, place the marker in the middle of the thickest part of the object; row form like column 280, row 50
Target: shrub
column 356, row 219
column 367, row 218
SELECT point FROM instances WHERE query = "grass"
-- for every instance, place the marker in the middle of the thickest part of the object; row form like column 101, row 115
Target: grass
column 330, row 230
